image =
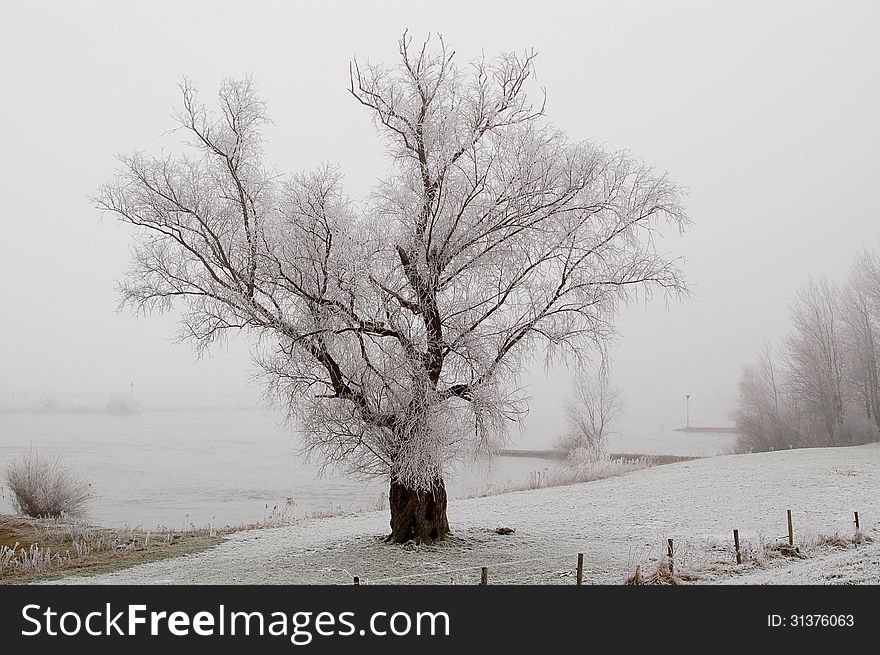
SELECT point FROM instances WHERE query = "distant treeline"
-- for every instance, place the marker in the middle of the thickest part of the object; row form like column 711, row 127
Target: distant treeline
column 820, row 387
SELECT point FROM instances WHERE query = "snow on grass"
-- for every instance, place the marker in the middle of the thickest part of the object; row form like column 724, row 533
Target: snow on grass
column 602, row 467
column 618, row 523
column 859, row 565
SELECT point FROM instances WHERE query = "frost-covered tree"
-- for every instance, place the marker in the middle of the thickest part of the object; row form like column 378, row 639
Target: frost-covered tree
column 821, row 388
column 393, row 333
column 766, row 417
column 815, row 355
column 590, row 413
column 860, row 310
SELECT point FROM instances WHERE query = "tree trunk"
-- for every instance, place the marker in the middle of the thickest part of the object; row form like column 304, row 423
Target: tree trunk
column 418, row 516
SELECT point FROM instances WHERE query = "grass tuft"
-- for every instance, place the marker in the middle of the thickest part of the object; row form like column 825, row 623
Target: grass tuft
column 662, row 575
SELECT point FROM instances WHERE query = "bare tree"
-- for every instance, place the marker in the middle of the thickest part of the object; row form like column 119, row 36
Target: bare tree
column 394, row 333
column 766, row 418
column 815, row 355
column 590, row 413
column 861, row 313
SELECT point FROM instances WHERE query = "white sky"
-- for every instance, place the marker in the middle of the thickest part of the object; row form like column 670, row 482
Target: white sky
column 766, row 111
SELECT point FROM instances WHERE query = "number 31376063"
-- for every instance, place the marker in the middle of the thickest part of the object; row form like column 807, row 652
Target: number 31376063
column 811, row 620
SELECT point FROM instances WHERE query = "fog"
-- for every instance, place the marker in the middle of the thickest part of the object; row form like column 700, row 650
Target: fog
column 765, row 112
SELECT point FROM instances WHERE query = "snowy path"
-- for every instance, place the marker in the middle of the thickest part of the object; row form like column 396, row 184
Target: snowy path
column 616, row 523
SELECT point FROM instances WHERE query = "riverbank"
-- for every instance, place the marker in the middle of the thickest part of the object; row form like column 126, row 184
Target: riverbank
column 45, row 549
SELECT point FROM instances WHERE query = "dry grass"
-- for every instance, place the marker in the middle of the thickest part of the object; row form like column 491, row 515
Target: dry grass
column 785, row 550
column 717, row 559
column 558, row 476
column 330, row 512
column 661, row 575
column 43, row 487
column 858, row 538
column 834, row 541
column 44, row 549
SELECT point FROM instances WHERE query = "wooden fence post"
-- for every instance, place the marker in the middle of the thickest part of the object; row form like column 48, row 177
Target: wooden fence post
column 669, row 551
column 580, row 574
column 736, row 545
column 856, row 514
column 484, row 575
column 790, row 531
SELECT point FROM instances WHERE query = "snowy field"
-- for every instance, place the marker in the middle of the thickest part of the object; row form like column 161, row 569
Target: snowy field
column 617, row 523
column 849, row 566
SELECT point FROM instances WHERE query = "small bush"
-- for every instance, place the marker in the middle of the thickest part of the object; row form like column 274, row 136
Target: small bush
column 43, row 487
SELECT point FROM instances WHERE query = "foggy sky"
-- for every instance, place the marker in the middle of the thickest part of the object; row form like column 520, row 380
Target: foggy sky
column 766, row 112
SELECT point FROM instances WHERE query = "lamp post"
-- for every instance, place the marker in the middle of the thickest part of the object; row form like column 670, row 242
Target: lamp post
column 687, row 397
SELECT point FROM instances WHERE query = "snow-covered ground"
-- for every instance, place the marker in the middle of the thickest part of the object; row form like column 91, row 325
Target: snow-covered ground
column 834, row 566
column 617, row 523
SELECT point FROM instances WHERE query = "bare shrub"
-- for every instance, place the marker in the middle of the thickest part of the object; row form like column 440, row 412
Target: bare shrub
column 44, row 487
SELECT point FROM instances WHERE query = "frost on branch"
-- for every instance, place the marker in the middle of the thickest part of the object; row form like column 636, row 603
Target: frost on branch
column 394, row 334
